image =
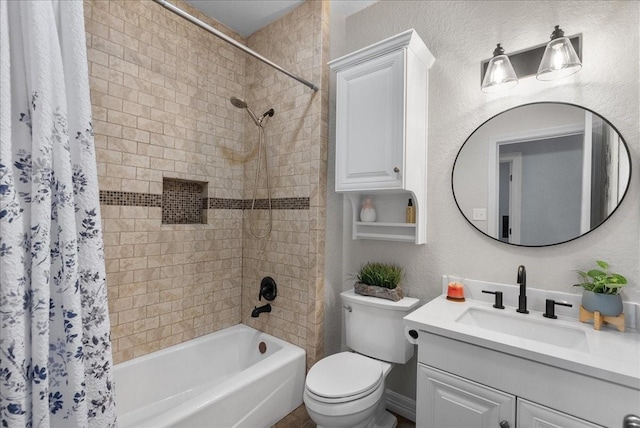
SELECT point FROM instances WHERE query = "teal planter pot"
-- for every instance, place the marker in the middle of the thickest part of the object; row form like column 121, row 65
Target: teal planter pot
column 609, row 305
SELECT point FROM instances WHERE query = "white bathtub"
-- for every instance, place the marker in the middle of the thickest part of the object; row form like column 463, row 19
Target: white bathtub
column 219, row 380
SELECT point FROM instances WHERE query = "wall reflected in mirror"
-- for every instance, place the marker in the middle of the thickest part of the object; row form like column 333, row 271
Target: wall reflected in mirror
column 541, row 174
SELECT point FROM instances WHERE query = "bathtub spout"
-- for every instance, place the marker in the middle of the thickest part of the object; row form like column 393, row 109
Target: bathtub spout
column 257, row 311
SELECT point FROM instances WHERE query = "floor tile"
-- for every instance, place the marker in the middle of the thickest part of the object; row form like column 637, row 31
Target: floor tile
column 300, row 419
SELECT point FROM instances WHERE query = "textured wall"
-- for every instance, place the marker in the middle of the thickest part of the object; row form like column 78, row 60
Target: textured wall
column 160, row 90
column 461, row 35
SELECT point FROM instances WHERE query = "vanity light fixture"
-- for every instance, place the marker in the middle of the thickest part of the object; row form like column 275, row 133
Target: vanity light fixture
column 558, row 58
column 500, row 75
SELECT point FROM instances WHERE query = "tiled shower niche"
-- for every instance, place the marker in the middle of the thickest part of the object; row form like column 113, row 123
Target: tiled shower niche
column 183, row 202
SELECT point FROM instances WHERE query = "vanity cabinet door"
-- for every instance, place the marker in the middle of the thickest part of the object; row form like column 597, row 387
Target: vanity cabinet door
column 369, row 124
column 532, row 415
column 448, row 401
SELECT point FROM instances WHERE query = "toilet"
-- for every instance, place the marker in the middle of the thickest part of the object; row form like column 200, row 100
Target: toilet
column 347, row 389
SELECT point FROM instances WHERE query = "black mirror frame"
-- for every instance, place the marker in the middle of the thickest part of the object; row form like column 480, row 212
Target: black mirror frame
column 626, row 191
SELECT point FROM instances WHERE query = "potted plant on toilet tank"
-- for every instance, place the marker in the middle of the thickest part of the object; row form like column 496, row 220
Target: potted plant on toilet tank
column 602, row 290
column 380, row 280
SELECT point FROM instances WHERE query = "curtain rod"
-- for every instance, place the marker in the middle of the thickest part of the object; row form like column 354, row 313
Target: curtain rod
column 235, row 43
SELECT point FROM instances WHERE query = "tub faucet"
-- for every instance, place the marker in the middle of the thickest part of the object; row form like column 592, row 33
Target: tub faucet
column 522, row 299
column 255, row 313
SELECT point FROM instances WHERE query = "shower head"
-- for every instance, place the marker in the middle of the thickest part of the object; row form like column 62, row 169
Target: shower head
column 238, row 103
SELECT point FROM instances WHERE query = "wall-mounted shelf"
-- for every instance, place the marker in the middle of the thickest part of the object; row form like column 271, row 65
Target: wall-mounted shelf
column 390, row 223
column 385, row 231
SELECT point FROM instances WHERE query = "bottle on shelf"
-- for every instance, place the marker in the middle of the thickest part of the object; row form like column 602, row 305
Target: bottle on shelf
column 411, row 212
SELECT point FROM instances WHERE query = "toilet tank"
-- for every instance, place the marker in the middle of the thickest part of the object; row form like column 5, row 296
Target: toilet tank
column 374, row 326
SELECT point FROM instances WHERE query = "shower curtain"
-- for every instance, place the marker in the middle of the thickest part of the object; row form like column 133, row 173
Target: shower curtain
column 55, row 352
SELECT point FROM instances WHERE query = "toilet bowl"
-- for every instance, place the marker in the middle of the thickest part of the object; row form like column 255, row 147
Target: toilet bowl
column 347, row 390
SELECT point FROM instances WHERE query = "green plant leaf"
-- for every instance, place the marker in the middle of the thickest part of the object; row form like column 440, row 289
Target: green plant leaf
column 618, row 279
column 600, row 281
column 595, row 273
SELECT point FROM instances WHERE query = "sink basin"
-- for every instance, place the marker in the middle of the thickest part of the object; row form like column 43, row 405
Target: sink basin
column 526, row 328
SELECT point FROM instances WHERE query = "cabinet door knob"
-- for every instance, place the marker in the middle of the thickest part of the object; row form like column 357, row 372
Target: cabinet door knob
column 504, row 424
column 396, row 169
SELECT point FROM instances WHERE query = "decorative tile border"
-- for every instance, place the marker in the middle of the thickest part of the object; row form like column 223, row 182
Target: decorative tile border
column 279, row 204
column 224, row 204
column 130, row 199
column 108, row 197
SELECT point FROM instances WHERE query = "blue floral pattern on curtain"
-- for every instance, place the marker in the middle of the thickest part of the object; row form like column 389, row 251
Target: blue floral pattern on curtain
column 55, row 350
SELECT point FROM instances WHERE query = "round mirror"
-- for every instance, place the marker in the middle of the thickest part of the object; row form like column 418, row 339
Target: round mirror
column 541, row 174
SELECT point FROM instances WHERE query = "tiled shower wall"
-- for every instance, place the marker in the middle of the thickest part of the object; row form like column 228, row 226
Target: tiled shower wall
column 160, row 90
column 297, row 138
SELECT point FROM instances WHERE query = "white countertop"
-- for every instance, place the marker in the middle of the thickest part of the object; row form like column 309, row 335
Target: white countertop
column 610, row 355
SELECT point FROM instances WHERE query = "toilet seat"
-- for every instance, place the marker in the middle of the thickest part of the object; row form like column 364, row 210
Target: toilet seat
column 344, row 377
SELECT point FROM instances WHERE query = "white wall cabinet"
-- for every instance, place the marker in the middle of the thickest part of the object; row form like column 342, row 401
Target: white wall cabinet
column 369, row 153
column 381, row 132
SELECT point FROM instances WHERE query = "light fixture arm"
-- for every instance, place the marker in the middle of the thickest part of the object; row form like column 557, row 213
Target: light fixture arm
column 557, row 33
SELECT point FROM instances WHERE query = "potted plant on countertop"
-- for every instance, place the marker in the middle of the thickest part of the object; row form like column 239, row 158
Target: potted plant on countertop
column 380, row 280
column 602, row 290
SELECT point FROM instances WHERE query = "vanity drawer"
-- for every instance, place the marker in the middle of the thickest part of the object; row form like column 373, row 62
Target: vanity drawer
column 532, row 415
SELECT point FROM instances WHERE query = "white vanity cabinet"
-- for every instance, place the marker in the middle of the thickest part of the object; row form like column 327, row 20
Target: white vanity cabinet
column 381, row 132
column 446, row 400
column 479, row 365
column 463, row 385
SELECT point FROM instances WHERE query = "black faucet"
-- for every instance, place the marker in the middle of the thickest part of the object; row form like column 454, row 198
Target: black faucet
column 255, row 313
column 522, row 298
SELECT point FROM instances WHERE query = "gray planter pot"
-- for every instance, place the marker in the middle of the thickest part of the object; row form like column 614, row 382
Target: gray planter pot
column 381, row 292
column 609, row 305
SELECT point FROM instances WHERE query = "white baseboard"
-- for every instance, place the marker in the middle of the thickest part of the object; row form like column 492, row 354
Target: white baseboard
column 403, row 406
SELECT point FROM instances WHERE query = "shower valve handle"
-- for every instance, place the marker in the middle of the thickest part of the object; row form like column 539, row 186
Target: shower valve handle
column 268, row 289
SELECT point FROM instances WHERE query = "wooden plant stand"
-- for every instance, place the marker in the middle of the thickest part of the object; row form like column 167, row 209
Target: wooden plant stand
column 599, row 319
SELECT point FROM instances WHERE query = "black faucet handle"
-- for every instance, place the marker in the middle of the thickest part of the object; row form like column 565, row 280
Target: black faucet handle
column 268, row 289
column 498, row 301
column 550, row 308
